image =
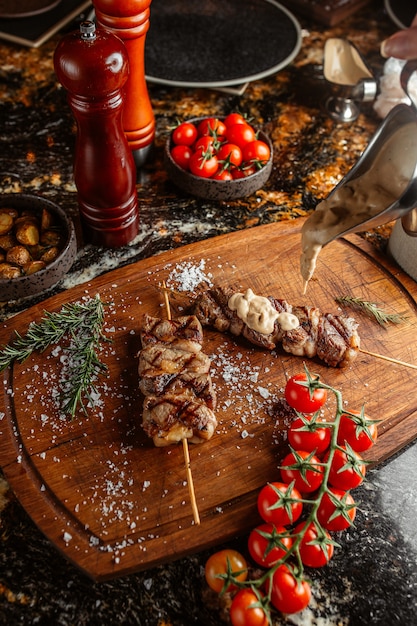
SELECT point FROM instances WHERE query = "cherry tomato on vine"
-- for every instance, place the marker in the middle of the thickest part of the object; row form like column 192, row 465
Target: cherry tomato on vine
column 184, row 134
column 181, row 154
column 304, row 468
column 358, row 430
column 230, row 153
column 206, row 142
column 256, row 152
column 211, row 126
column 279, row 503
column 246, row 609
column 267, row 544
column 288, row 594
column 203, row 163
column 222, row 562
column 337, row 510
column 299, row 396
column 305, row 433
column 315, row 547
column 347, row 469
column 240, row 134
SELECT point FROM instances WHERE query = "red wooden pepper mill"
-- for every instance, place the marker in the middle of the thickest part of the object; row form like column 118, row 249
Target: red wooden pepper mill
column 129, row 20
column 92, row 64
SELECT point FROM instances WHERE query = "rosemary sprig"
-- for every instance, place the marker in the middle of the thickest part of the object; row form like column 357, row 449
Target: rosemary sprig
column 373, row 310
column 83, row 323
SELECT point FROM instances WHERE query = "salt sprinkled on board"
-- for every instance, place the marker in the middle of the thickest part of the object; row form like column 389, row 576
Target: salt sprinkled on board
column 237, row 373
column 188, row 276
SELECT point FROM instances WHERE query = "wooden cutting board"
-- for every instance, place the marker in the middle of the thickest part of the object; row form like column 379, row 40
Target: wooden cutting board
column 100, row 491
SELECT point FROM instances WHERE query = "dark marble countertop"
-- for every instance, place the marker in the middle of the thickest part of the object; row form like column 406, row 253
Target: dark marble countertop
column 373, row 577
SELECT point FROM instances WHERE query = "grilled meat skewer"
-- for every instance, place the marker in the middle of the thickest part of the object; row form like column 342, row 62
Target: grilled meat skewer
column 332, row 338
column 175, row 380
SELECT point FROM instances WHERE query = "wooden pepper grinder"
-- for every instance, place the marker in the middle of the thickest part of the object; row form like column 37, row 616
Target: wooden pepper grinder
column 129, row 20
column 92, row 64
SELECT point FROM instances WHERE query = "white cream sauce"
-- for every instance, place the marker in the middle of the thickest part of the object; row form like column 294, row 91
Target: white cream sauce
column 361, row 198
column 258, row 313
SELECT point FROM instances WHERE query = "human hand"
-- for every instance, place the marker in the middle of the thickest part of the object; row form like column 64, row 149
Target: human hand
column 403, row 44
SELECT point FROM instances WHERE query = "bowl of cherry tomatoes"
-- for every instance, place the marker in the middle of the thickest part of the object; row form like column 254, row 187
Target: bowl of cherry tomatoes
column 218, row 158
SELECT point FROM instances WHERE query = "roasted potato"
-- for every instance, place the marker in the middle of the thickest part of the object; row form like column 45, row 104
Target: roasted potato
column 9, row 271
column 47, row 220
column 27, row 232
column 33, row 266
column 10, row 211
column 18, row 255
column 50, row 254
column 7, row 241
column 6, row 223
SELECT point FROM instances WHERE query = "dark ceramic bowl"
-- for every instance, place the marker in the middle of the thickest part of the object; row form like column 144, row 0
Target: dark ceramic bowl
column 211, row 189
column 30, row 285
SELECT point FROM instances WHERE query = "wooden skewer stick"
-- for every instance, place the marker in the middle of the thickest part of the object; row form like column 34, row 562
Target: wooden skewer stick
column 388, row 358
column 186, row 452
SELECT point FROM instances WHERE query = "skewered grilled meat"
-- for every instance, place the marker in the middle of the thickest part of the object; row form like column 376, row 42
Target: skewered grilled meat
column 158, row 359
column 196, row 387
column 183, row 333
column 168, row 419
column 332, row 338
column 175, row 380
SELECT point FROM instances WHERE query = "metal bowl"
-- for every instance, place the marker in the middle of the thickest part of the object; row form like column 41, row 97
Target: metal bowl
column 211, row 189
column 32, row 284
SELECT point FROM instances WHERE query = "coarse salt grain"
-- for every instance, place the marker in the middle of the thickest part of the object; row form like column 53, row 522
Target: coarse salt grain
column 188, row 276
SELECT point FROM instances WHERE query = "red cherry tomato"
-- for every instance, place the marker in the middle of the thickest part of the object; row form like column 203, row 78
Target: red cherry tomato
column 357, row 430
column 181, row 154
column 230, row 154
column 246, row 609
column 315, row 547
column 267, row 544
column 288, row 594
column 279, row 503
column 222, row 174
column 243, row 172
column 220, row 563
column 234, row 118
column 347, row 469
column 206, row 142
column 337, row 510
column 184, row 134
column 211, row 126
column 240, row 134
column 305, row 433
column 256, row 152
column 203, row 163
column 301, row 397
column 304, row 469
